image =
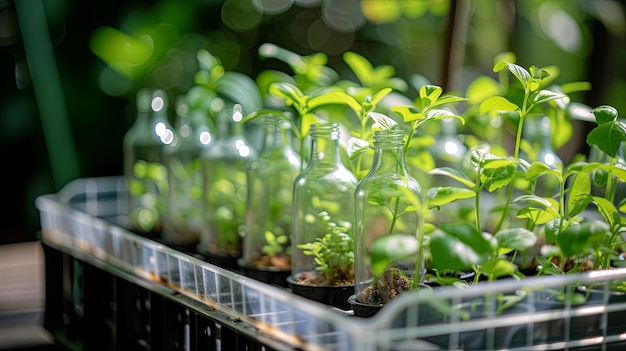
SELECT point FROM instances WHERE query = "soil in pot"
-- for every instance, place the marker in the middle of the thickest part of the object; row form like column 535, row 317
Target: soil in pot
column 370, row 300
column 315, row 287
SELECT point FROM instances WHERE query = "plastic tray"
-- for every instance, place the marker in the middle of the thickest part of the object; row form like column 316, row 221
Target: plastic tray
column 86, row 219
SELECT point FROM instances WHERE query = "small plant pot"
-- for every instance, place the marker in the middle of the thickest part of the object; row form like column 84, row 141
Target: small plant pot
column 336, row 296
column 363, row 309
column 268, row 275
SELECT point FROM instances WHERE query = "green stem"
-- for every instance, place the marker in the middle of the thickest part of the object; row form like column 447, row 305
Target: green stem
column 610, row 185
column 477, row 202
column 394, row 217
column 518, row 142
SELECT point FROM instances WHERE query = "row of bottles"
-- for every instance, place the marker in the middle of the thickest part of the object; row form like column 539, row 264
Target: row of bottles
column 186, row 183
column 261, row 211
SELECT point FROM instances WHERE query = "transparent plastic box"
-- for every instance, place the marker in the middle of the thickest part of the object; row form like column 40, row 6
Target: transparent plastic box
column 86, row 219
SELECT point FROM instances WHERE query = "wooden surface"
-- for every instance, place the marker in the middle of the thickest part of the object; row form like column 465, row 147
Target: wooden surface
column 22, row 297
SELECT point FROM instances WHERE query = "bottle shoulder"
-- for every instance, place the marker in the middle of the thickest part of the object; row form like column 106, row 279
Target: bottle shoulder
column 392, row 180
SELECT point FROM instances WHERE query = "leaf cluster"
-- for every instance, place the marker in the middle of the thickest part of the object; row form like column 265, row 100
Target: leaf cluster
column 333, row 251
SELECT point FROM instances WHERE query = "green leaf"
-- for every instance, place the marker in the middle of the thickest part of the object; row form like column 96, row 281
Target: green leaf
column 518, row 71
column 389, row 248
column 541, row 96
column 498, row 163
column 579, row 197
column 379, row 95
column 498, row 268
column 550, row 206
column 497, row 173
column 438, row 114
column 457, row 247
column 361, row 67
column 607, row 210
column 515, row 239
column 306, row 122
column 573, row 87
column 266, row 113
column 289, row 92
column 482, row 88
column 551, row 230
column 578, row 238
column 536, row 215
column 496, row 103
column 430, row 92
column 454, row 174
column 240, row 89
column 356, row 147
column 538, row 200
column 206, row 61
column 608, row 137
column 604, row 114
column 382, row 120
column 442, row 195
column 538, row 169
column 334, row 97
column 619, row 172
column 544, row 74
column 408, row 113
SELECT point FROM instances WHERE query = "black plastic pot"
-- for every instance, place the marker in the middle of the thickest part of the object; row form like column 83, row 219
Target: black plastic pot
column 336, row 296
column 363, row 309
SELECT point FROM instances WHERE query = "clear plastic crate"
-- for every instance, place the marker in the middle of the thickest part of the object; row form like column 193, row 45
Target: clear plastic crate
column 86, row 219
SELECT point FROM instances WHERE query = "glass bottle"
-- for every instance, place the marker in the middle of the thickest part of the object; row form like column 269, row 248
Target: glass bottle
column 270, row 178
column 183, row 221
column 224, row 190
column 385, row 201
column 323, row 214
column 144, row 144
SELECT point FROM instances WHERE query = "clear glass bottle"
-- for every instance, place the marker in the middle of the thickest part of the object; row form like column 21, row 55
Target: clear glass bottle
column 385, row 201
column 270, row 178
column 323, row 214
column 144, row 144
column 224, row 190
column 183, row 221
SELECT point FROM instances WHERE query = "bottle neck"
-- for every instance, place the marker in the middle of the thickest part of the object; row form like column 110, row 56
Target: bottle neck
column 228, row 123
column 389, row 152
column 324, row 145
column 277, row 135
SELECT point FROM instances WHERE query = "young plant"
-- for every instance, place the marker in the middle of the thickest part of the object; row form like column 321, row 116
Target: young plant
column 392, row 246
column 333, row 252
column 274, row 244
column 574, row 240
column 493, row 171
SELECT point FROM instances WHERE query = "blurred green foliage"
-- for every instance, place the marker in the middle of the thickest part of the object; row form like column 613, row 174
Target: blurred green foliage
column 106, row 52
